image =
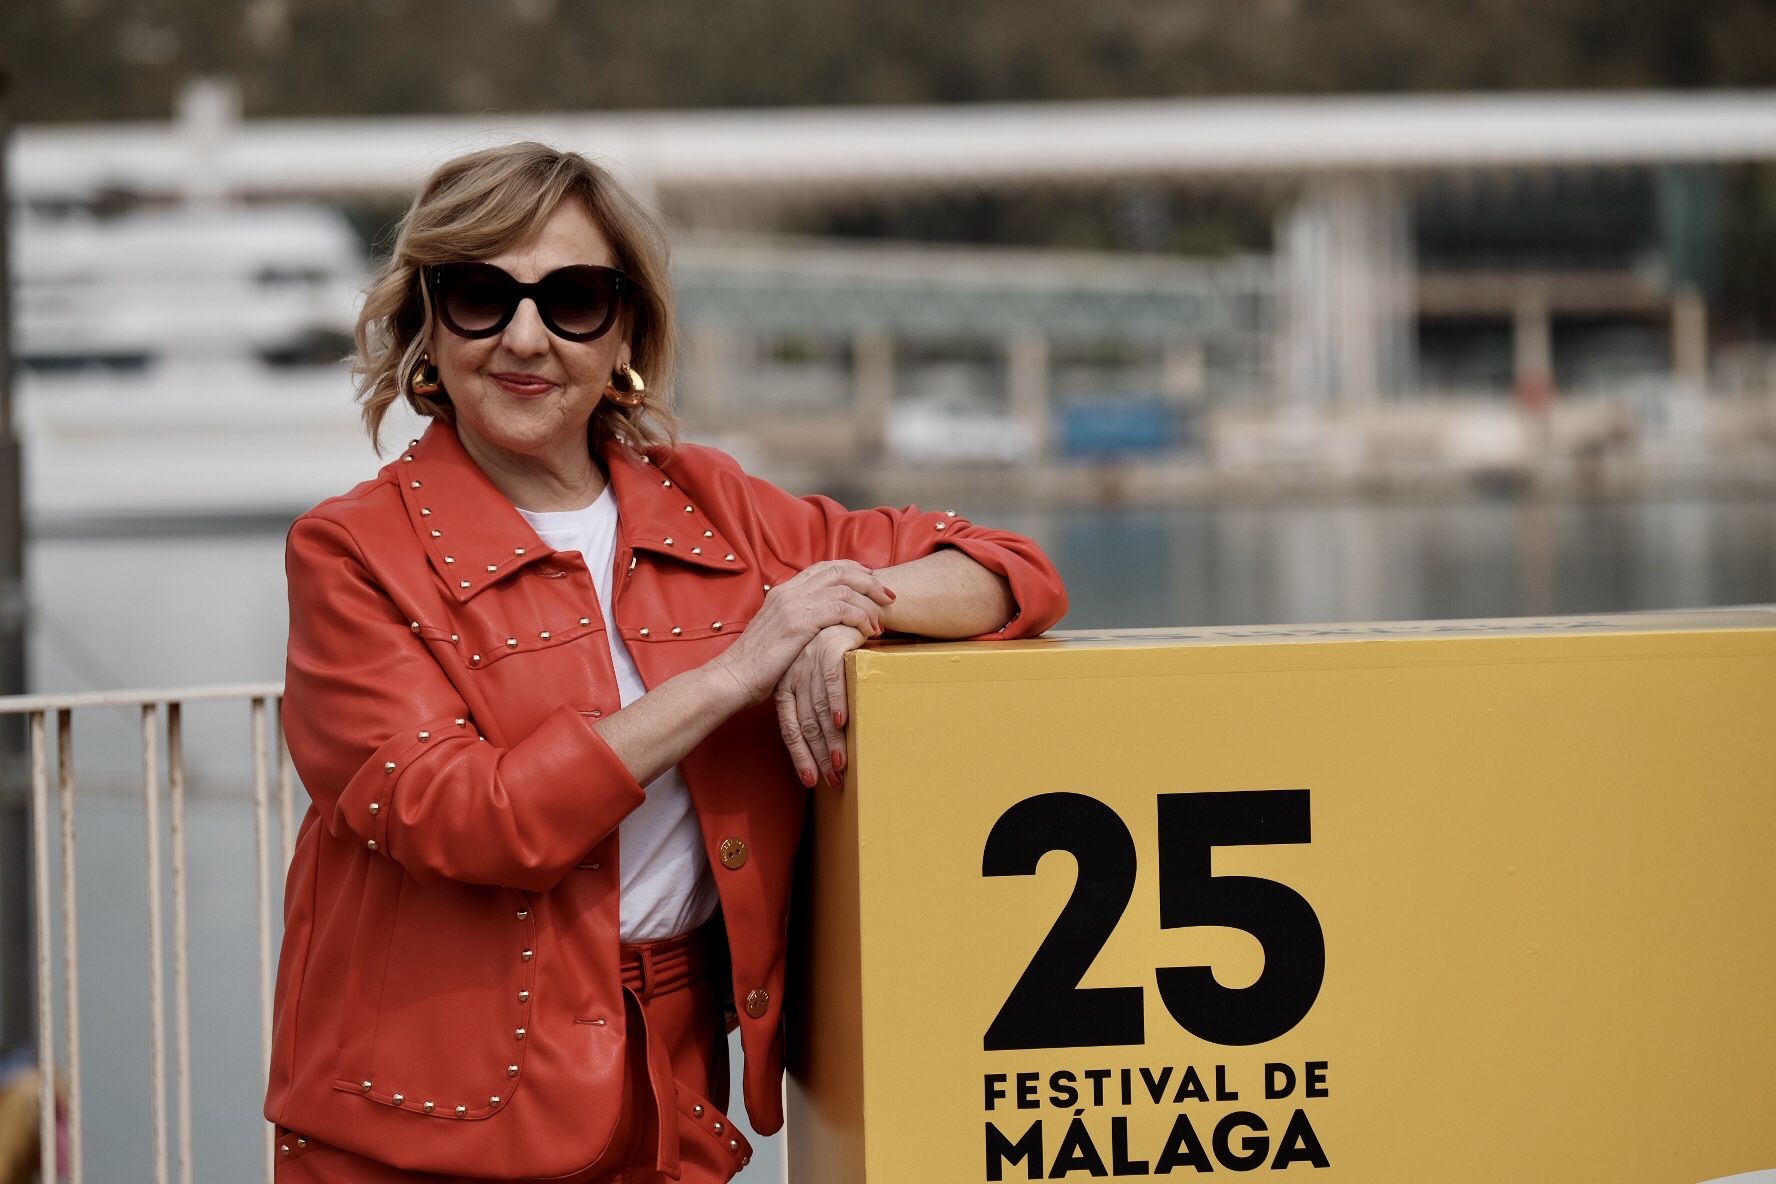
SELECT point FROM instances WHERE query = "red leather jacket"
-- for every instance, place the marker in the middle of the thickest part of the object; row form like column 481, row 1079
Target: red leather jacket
column 448, row 995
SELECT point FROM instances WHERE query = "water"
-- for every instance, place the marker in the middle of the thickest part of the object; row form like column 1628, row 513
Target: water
column 179, row 607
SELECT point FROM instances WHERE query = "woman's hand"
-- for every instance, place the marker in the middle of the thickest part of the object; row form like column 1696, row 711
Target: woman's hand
column 837, row 592
column 811, row 704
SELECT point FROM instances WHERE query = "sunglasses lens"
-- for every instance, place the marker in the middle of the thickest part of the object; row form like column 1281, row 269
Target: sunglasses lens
column 475, row 299
column 579, row 299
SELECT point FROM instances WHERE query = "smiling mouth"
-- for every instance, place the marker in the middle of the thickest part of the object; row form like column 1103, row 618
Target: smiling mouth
column 523, row 384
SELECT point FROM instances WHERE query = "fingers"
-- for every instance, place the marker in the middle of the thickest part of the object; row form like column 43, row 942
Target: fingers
column 845, row 572
column 832, row 741
column 812, row 708
column 861, row 579
column 789, row 725
column 848, row 608
column 829, row 707
column 812, row 734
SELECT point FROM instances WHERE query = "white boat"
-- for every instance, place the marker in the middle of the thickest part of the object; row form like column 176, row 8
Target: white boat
column 187, row 361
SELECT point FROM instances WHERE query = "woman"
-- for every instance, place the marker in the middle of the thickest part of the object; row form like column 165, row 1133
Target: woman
column 558, row 686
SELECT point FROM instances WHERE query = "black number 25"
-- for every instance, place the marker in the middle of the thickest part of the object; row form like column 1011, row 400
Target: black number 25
column 1049, row 1009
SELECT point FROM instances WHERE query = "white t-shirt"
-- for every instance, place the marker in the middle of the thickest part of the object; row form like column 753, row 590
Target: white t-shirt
column 666, row 884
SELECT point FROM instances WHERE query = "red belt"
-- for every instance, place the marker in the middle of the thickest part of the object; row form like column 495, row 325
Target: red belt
column 656, row 967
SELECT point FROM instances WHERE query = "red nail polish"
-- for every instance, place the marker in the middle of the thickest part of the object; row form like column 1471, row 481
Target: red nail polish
column 838, row 718
column 838, row 761
column 890, row 591
column 808, row 778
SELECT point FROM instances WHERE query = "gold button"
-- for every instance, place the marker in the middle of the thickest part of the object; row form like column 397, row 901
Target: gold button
column 526, row 955
column 430, row 1106
column 643, row 631
column 697, row 1110
column 544, row 635
column 285, row 1148
column 585, row 621
column 709, row 534
column 524, row 914
column 733, row 853
column 375, row 807
column 425, row 735
column 524, row 996
column 511, row 643
column 366, row 1086
column 717, row 626
column 414, row 626
column 388, row 767
column 511, row 1070
column 461, row 1110
column 676, row 631
column 719, row 1128
column 370, row 843
column 492, row 567
column 758, row 1001
column 494, row 1100
column 519, row 1034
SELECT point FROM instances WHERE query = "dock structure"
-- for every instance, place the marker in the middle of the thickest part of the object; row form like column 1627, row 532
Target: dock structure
column 1380, row 335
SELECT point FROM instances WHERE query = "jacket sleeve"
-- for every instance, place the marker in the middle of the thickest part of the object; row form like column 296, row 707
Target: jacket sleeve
column 384, row 744
column 806, row 530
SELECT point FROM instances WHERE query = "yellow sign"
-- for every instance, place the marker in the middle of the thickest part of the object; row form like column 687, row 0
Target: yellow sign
column 1435, row 901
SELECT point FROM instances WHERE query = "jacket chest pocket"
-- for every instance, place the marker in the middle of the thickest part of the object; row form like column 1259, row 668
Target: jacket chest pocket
column 666, row 605
column 532, row 645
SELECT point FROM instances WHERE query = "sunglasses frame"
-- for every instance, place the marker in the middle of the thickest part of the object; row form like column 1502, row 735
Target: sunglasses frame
column 437, row 274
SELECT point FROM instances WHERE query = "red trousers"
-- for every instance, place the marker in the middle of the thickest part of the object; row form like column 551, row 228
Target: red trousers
column 683, row 1014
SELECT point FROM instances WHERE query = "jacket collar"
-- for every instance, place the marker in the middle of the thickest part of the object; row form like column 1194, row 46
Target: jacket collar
column 475, row 538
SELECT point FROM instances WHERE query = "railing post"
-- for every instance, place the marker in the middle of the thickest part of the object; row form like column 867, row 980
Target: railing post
column 46, row 1058
column 156, row 940
column 181, row 936
column 70, row 940
column 262, row 833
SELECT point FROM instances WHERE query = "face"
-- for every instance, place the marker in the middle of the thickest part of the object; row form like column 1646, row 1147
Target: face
column 525, row 390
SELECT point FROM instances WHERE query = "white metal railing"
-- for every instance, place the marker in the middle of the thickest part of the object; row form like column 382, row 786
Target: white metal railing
column 162, row 720
column 37, row 709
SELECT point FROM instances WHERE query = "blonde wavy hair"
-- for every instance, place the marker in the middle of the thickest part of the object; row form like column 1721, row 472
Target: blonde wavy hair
column 486, row 202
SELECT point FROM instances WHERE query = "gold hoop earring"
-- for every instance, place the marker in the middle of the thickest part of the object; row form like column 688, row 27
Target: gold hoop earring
column 626, row 388
column 424, row 379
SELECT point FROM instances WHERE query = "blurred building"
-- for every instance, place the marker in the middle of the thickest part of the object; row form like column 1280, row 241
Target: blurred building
column 1447, row 282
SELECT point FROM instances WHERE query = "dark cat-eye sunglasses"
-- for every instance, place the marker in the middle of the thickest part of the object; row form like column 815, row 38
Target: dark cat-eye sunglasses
column 578, row 303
